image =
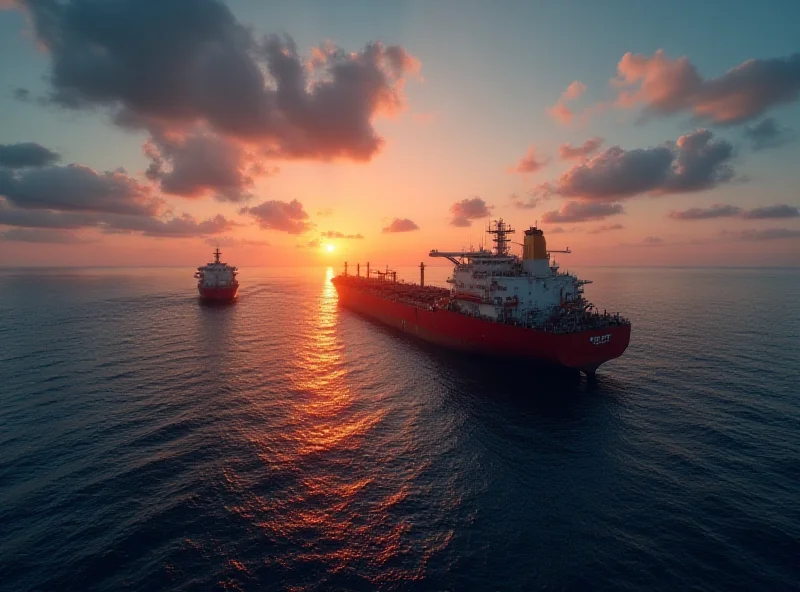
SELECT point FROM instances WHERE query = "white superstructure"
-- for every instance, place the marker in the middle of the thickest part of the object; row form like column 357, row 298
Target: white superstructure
column 216, row 274
column 503, row 286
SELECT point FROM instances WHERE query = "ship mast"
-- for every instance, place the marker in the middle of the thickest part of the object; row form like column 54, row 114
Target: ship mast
column 500, row 230
column 216, row 255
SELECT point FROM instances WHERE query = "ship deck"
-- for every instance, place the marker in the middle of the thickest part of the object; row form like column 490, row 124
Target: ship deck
column 428, row 296
column 411, row 294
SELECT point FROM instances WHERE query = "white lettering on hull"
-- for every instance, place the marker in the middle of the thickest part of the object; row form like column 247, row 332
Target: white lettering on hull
column 600, row 339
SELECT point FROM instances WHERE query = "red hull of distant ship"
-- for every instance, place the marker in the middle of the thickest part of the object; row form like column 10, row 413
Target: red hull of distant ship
column 585, row 350
column 226, row 294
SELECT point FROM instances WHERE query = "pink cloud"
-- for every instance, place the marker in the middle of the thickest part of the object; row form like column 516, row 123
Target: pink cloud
column 590, row 146
column 528, row 163
column 560, row 112
column 467, row 210
column 289, row 217
column 666, row 86
column 574, row 90
column 400, row 225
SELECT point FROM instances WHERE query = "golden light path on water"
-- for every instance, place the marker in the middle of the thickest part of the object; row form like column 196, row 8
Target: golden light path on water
column 340, row 477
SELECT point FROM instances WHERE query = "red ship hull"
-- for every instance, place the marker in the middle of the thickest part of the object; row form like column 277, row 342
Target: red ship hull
column 222, row 294
column 584, row 351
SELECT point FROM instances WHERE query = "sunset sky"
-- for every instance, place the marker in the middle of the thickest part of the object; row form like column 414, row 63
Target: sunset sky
column 636, row 133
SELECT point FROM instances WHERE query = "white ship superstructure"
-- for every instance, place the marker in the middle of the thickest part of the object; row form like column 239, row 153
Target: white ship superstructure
column 217, row 280
column 499, row 285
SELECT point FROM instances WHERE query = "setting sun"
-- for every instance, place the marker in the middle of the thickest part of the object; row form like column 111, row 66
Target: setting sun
column 329, row 248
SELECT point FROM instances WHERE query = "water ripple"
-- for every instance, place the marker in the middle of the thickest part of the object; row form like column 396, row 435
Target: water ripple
column 283, row 443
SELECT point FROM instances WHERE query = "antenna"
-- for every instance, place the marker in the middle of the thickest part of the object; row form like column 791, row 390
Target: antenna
column 501, row 230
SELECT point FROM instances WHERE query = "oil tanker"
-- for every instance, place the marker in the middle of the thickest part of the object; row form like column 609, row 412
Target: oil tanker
column 499, row 304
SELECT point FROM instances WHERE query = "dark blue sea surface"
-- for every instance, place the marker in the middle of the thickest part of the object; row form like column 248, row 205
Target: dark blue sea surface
column 149, row 442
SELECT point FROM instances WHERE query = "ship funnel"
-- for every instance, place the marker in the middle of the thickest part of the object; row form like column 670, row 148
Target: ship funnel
column 535, row 245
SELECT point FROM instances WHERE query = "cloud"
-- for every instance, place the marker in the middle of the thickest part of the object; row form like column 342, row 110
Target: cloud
column 78, row 188
column 176, row 227
column 171, row 226
column 766, row 234
column 560, row 112
column 184, row 63
column 337, row 234
column 605, row 228
column 400, row 225
column 26, row 154
column 556, row 230
column 528, row 163
column 577, row 211
column 312, row 244
column 46, row 196
column 11, row 216
column 325, row 213
column 766, row 212
column 589, row 147
column 41, row 235
column 466, row 210
column 666, row 86
column 715, row 211
column 652, row 241
column 728, row 211
column 534, row 197
column 768, row 134
column 202, row 164
column 230, row 241
column 22, row 94
column 287, row 217
column 694, row 163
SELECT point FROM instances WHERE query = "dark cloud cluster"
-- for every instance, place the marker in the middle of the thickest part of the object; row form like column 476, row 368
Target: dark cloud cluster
column 767, row 212
column 183, row 226
column 727, row 211
column 179, row 64
column 26, row 154
column 37, row 194
column 400, row 225
column 589, row 147
column 79, row 188
column 715, row 211
column 289, row 217
column 666, row 86
column 202, row 164
column 465, row 211
column 581, row 211
column 337, row 234
column 695, row 162
column 768, row 134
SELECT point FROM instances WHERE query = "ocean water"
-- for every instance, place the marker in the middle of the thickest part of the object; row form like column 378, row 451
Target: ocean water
column 149, row 442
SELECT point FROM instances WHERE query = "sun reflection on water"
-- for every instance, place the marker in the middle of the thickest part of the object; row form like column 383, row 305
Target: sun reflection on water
column 334, row 495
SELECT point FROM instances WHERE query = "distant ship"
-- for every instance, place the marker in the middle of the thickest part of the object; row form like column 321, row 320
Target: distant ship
column 499, row 305
column 217, row 281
